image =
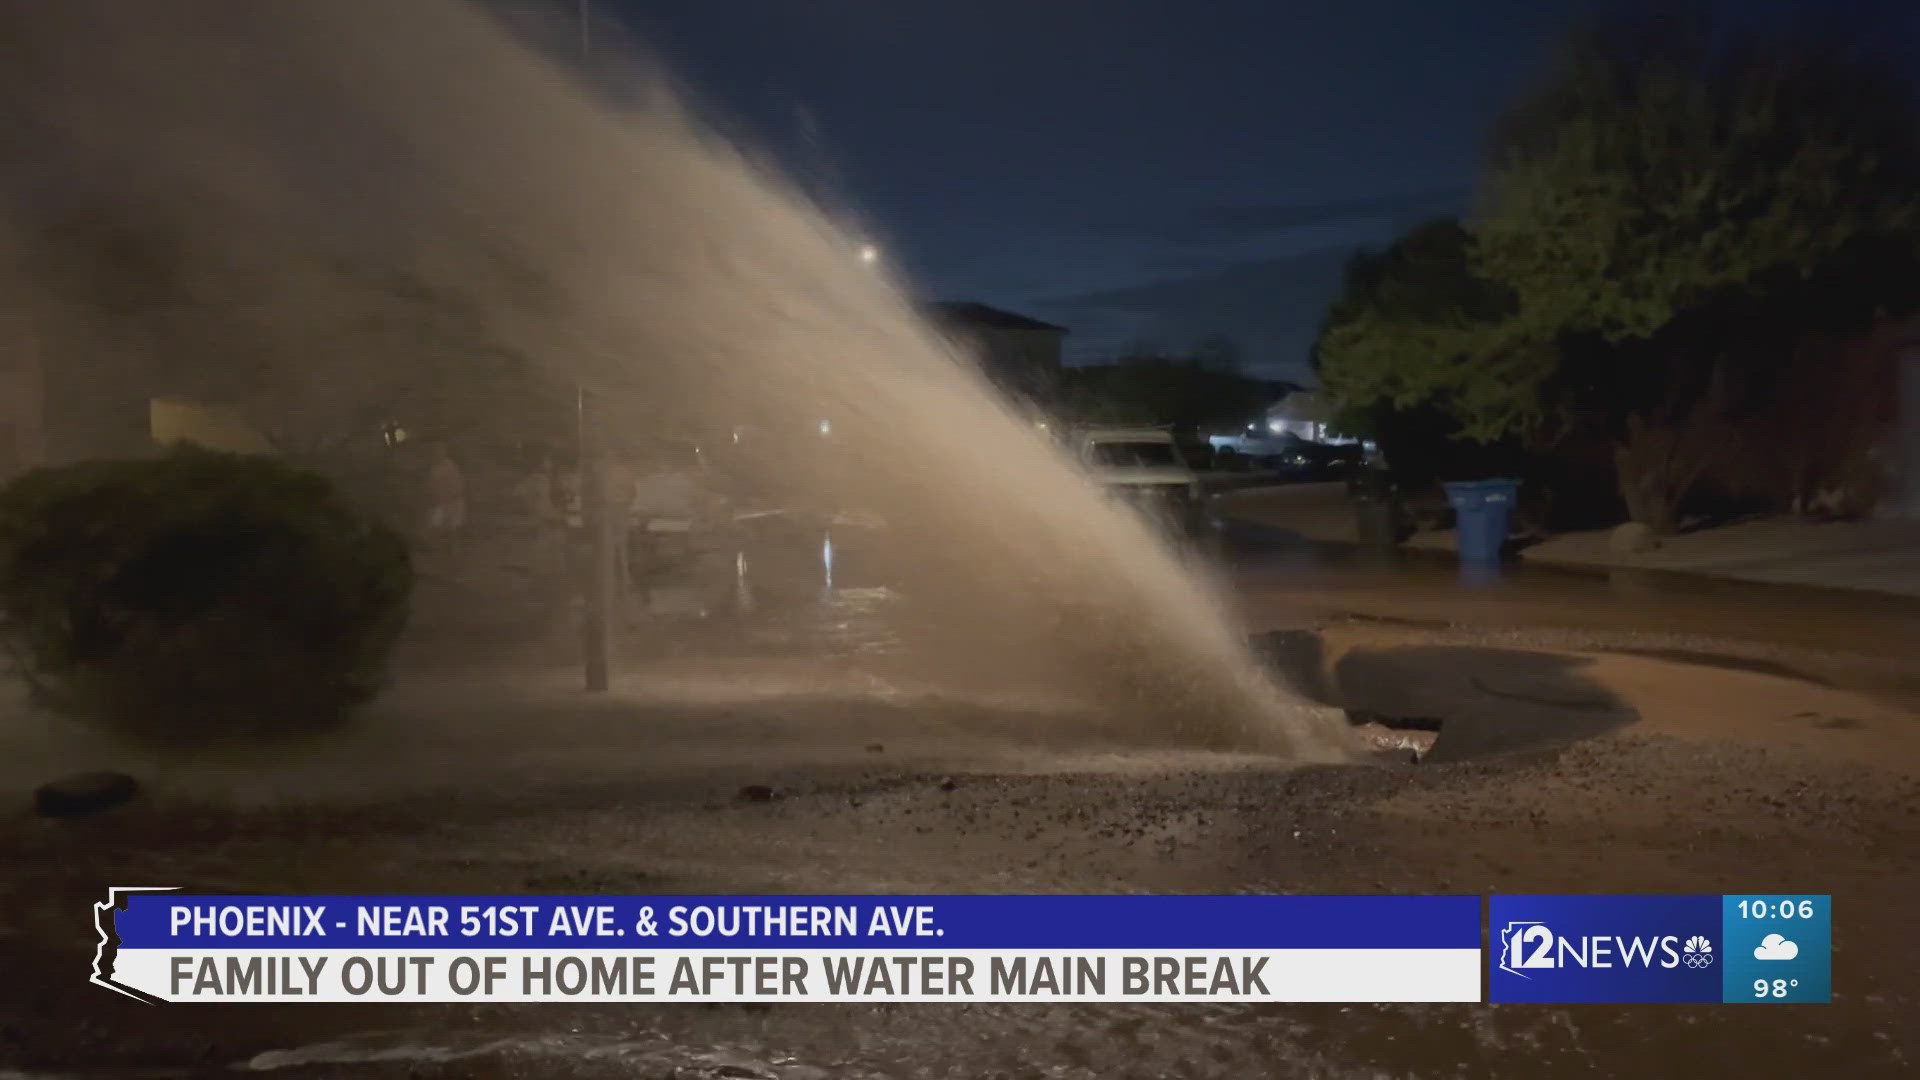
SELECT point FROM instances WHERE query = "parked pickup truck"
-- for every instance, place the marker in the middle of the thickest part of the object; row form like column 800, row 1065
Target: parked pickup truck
column 1289, row 455
column 1146, row 468
column 1252, row 447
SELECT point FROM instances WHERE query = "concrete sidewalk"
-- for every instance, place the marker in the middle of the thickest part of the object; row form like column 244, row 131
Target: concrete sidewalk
column 1874, row 556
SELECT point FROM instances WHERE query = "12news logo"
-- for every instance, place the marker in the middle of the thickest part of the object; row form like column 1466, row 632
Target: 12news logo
column 1532, row 946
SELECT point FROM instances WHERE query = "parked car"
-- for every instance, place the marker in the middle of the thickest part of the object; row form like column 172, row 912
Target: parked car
column 1146, row 468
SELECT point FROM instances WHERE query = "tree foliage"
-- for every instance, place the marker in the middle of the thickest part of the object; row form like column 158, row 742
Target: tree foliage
column 1674, row 165
column 1672, row 159
column 1670, row 164
column 1662, row 227
column 1405, row 328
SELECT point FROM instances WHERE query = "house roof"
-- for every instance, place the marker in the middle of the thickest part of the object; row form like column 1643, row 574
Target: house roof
column 974, row 313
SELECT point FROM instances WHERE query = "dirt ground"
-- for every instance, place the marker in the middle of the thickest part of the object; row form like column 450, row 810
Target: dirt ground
column 1618, row 759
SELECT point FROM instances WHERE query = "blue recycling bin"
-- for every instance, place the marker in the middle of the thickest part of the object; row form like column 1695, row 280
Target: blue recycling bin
column 1482, row 509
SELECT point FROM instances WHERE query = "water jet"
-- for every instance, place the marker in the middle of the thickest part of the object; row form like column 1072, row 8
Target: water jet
column 356, row 202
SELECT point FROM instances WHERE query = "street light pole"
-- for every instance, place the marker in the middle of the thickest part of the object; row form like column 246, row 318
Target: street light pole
column 596, row 515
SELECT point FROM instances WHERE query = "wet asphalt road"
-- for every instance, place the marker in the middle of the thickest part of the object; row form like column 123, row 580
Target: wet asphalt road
column 1735, row 738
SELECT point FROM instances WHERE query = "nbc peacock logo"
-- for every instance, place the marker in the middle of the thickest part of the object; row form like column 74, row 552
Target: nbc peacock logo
column 1697, row 953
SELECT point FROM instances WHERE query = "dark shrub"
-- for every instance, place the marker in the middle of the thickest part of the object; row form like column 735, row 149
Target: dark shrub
column 197, row 597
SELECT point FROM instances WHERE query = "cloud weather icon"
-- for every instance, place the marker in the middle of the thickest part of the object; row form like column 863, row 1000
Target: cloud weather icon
column 1775, row 947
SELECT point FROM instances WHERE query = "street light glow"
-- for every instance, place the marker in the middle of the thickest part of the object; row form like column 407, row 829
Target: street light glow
column 869, row 254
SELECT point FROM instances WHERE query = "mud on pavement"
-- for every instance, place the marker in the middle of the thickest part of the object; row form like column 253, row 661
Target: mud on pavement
column 1631, row 809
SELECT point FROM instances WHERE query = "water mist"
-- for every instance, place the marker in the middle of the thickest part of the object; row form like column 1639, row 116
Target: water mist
column 312, row 168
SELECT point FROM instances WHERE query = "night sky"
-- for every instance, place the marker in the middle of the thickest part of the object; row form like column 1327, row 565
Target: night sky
column 1139, row 171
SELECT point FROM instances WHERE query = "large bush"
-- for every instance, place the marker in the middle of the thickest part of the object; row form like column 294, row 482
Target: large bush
column 197, row 597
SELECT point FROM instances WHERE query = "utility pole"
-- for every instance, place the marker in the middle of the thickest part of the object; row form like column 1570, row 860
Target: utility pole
column 596, row 513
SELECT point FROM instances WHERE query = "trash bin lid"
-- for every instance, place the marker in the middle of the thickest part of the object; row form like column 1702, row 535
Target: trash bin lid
column 1480, row 492
column 1477, row 486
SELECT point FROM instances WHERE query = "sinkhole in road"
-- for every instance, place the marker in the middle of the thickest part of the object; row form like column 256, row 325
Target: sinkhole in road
column 1442, row 701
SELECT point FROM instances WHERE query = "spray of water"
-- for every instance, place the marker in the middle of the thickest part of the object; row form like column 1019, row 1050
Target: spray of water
column 318, row 207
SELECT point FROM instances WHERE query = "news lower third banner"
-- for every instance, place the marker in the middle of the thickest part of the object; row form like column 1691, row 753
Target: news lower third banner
column 165, row 946
column 161, row 945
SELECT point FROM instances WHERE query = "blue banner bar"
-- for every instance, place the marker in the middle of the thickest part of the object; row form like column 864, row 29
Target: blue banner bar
column 155, row 920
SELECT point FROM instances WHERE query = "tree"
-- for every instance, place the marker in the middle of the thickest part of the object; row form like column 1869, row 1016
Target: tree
column 1653, row 220
column 1672, row 159
column 1675, row 175
column 1402, row 331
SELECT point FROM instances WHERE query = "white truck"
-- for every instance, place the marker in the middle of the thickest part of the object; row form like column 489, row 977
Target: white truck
column 1287, row 454
column 1146, row 468
column 1256, row 446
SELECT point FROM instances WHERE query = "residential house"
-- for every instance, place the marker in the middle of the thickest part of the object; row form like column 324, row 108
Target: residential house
column 52, row 413
column 55, row 414
column 1020, row 354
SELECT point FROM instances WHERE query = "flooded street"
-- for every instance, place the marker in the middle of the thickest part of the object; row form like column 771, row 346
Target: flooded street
column 1589, row 741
